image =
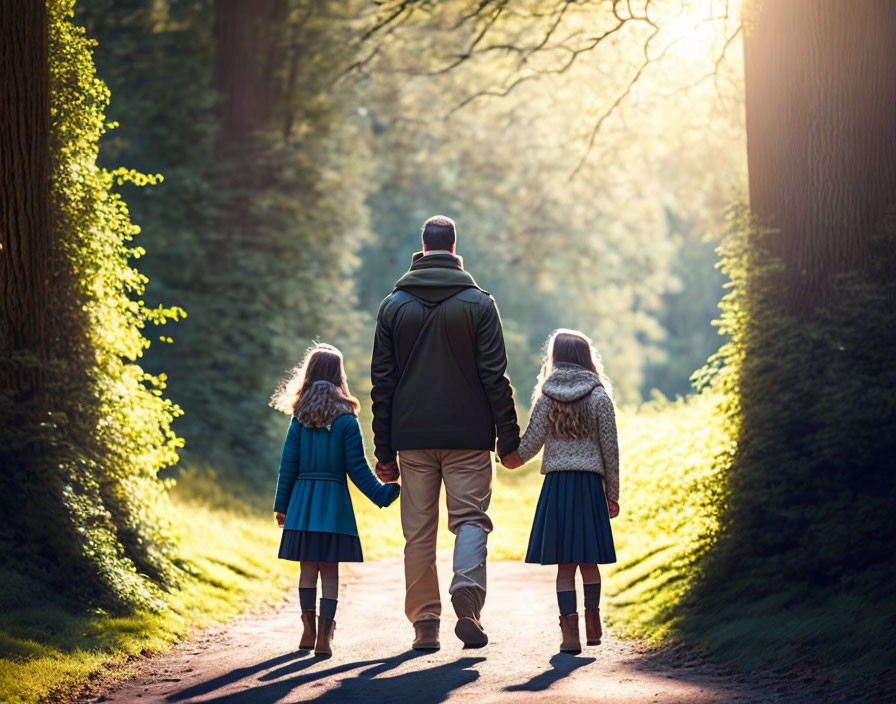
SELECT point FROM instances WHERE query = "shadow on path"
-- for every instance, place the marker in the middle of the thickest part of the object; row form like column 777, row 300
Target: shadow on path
column 231, row 677
column 561, row 664
column 429, row 686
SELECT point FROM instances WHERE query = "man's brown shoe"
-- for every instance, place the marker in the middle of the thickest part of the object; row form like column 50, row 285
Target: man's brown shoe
column 470, row 631
column 426, row 634
column 467, row 602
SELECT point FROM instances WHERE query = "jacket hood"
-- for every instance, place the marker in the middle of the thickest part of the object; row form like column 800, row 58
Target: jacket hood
column 569, row 382
column 435, row 277
column 321, row 404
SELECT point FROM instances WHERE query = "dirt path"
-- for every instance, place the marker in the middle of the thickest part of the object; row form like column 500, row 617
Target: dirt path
column 254, row 659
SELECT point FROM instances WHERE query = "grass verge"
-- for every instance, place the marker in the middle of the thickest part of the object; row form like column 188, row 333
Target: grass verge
column 838, row 637
column 51, row 646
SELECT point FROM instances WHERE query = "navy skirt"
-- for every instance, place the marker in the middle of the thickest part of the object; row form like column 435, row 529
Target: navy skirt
column 316, row 546
column 572, row 521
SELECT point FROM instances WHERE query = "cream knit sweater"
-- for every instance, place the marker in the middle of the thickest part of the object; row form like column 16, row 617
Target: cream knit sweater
column 597, row 453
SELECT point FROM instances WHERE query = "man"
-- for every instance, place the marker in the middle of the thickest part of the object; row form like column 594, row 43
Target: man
column 440, row 398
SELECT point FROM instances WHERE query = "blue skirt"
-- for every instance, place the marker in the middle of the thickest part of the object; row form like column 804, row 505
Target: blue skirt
column 316, row 546
column 572, row 521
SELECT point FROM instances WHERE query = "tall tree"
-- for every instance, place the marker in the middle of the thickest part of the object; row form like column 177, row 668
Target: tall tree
column 821, row 133
column 26, row 247
column 248, row 44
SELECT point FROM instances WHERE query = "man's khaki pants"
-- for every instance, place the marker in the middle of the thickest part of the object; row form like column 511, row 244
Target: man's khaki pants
column 468, row 487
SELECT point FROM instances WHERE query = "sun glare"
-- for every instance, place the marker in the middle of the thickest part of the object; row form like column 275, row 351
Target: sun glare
column 699, row 33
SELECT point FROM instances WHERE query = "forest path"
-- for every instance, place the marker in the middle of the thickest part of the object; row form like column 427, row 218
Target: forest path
column 254, row 659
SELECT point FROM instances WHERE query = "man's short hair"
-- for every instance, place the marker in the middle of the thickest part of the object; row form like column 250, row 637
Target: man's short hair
column 439, row 232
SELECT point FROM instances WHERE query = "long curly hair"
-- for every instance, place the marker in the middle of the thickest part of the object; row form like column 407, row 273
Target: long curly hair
column 570, row 420
column 321, row 362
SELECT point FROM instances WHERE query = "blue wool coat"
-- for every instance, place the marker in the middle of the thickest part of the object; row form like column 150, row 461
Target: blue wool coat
column 312, row 489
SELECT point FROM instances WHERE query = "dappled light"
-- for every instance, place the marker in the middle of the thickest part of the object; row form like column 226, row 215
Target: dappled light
column 196, row 193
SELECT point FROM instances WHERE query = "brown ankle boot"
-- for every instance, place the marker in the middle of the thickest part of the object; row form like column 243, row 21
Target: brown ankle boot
column 326, row 627
column 593, row 630
column 467, row 602
column 426, row 634
column 569, row 627
column 310, row 631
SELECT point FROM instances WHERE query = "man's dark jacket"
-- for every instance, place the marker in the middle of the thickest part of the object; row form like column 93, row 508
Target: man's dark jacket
column 439, row 364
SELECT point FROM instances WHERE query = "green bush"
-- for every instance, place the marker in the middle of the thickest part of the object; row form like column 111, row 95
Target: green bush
column 808, row 402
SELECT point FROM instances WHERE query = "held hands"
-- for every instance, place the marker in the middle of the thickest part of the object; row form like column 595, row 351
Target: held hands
column 512, row 461
column 387, row 472
column 281, row 518
column 613, row 506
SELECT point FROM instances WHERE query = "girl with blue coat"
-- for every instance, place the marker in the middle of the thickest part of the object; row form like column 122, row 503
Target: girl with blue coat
column 312, row 502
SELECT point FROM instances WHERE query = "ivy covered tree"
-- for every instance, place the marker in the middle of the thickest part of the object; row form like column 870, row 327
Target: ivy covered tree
column 84, row 430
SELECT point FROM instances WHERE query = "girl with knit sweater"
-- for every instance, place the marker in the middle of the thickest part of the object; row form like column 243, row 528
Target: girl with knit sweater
column 312, row 504
column 573, row 418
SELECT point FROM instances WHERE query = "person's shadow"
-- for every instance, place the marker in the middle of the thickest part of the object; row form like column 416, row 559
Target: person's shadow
column 562, row 665
column 233, row 676
column 429, row 686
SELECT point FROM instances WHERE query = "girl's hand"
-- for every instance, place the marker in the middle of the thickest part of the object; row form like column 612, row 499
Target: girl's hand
column 512, row 460
column 281, row 518
column 614, row 508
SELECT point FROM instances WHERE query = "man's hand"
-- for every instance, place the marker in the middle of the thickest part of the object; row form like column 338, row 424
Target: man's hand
column 613, row 506
column 512, row 461
column 281, row 518
column 387, row 471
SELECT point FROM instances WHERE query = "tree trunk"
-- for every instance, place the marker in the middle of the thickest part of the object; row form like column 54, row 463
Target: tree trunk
column 24, row 194
column 248, row 44
column 248, row 39
column 821, row 132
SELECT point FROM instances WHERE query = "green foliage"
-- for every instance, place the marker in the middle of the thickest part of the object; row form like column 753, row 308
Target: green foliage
column 485, row 115
column 807, row 399
column 92, row 517
column 615, row 248
column 686, row 315
column 352, row 164
column 255, row 240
